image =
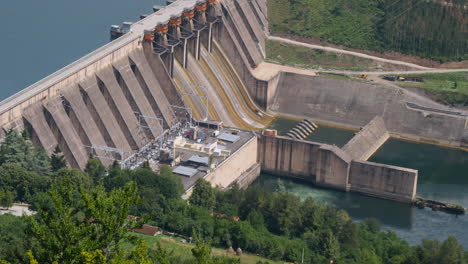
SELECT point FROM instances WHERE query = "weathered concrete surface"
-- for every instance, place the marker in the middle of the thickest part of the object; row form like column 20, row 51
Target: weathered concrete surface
column 367, row 141
column 68, row 140
column 138, row 99
column 12, row 108
column 286, row 157
column 248, row 177
column 83, row 122
column 331, row 167
column 235, row 166
column 120, row 107
column 102, row 115
column 41, row 133
column 240, row 166
column 154, row 87
column 384, row 181
column 354, row 104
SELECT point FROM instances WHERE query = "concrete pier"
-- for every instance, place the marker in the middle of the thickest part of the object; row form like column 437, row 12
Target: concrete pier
column 154, row 87
column 68, row 139
column 138, row 99
column 83, row 122
column 41, row 133
column 120, row 107
column 103, row 116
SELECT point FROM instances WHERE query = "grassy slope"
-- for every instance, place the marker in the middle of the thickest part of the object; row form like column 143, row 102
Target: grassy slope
column 423, row 28
column 451, row 88
column 287, row 54
column 181, row 249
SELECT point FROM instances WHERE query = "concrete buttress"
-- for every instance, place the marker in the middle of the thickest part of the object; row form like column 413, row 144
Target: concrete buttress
column 64, row 132
column 82, row 120
column 154, row 87
column 102, row 114
column 138, row 97
column 121, row 109
column 41, row 134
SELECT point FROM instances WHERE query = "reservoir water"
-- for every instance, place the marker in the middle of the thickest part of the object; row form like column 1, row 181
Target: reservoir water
column 443, row 175
column 40, row 37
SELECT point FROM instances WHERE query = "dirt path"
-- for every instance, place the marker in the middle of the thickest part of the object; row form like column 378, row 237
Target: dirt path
column 357, row 54
column 266, row 70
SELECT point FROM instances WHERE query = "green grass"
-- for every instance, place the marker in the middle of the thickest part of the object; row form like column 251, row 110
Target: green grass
column 336, row 76
column 428, row 29
column 183, row 250
column 297, row 56
column 450, row 88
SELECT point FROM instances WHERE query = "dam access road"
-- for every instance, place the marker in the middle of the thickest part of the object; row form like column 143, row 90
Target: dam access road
column 194, row 68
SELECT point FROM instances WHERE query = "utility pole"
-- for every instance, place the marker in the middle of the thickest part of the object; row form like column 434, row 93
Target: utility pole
column 302, row 256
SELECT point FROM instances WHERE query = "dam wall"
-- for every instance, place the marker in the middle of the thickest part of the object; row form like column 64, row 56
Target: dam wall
column 383, row 181
column 11, row 109
column 355, row 104
column 117, row 99
column 367, row 141
column 244, row 51
column 331, row 167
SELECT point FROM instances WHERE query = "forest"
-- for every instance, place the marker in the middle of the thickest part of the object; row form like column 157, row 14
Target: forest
column 83, row 217
column 432, row 29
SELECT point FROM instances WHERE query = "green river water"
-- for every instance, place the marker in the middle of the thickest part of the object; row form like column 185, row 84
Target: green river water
column 443, row 175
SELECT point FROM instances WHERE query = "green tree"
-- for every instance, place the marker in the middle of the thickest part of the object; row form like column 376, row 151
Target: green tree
column 20, row 152
column 450, row 252
column 13, row 240
column 202, row 251
column 22, row 183
column 95, row 220
column 95, row 170
column 57, row 159
column 6, row 198
column 203, row 195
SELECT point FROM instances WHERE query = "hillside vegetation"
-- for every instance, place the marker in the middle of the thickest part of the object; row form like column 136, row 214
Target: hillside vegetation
column 448, row 88
column 426, row 28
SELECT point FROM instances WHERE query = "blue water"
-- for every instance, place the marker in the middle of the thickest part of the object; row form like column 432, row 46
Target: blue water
column 39, row 37
column 443, row 175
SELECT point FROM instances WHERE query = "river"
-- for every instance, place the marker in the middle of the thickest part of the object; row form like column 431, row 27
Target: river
column 40, row 37
column 443, row 175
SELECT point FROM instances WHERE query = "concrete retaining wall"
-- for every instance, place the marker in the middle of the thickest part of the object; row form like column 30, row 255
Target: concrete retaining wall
column 285, row 157
column 329, row 166
column 384, row 181
column 241, row 167
column 367, row 141
column 235, row 166
column 354, row 104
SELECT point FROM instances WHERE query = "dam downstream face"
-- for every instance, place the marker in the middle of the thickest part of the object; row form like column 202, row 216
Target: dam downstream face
column 58, row 32
column 442, row 176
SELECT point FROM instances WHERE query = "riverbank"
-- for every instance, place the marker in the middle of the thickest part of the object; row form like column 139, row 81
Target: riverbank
column 442, row 177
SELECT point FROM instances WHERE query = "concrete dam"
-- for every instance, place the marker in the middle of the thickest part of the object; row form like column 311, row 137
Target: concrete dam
column 195, row 69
